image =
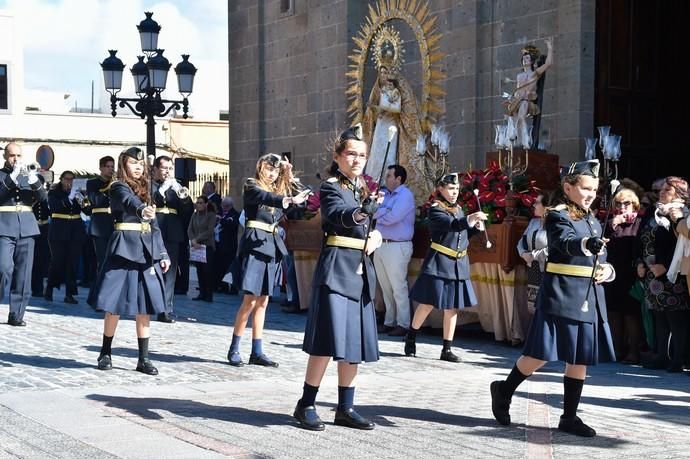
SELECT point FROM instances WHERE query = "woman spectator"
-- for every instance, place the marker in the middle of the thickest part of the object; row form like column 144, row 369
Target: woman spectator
column 667, row 300
column 625, row 318
column 533, row 249
column 200, row 233
column 66, row 235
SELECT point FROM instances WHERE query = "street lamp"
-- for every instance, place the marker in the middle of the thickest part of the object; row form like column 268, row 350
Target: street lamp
column 150, row 75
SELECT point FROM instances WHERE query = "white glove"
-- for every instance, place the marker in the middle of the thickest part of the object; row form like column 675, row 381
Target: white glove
column 72, row 194
column 165, row 186
column 16, row 170
column 477, row 220
column 33, row 177
column 375, row 241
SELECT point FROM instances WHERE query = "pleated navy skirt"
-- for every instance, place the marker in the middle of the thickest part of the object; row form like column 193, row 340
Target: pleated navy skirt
column 127, row 288
column 254, row 274
column 341, row 328
column 443, row 293
column 552, row 338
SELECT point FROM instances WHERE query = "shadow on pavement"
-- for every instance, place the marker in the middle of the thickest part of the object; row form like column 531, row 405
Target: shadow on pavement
column 155, row 356
column 147, row 408
column 40, row 361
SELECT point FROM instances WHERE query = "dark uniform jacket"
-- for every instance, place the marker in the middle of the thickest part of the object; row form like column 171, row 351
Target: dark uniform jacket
column 19, row 224
column 135, row 246
column 42, row 213
column 101, row 222
column 171, row 224
column 563, row 295
column 453, row 232
column 337, row 266
column 63, row 229
column 265, row 207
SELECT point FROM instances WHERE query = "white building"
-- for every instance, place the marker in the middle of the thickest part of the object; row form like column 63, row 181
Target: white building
column 78, row 140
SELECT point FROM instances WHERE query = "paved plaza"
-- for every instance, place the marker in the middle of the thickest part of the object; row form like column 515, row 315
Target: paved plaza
column 55, row 403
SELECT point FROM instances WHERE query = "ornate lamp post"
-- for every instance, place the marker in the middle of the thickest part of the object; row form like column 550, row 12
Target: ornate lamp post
column 150, row 74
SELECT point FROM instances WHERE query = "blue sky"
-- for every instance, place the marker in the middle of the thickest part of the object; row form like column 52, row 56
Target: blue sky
column 65, row 40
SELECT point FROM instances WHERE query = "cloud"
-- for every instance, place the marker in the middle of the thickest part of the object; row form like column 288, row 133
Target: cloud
column 65, row 40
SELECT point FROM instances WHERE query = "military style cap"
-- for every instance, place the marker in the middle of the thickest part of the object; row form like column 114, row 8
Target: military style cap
column 590, row 168
column 351, row 133
column 134, row 152
column 449, row 179
column 271, row 158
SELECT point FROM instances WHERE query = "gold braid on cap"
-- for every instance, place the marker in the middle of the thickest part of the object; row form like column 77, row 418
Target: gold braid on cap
column 387, row 49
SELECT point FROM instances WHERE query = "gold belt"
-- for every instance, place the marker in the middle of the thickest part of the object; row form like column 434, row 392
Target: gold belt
column 42, row 222
column 17, row 208
column 65, row 216
column 346, row 242
column 100, row 210
column 448, row 251
column 166, row 210
column 262, row 226
column 569, row 270
column 144, row 227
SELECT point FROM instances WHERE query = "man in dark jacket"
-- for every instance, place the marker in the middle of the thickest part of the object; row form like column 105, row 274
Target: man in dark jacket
column 20, row 187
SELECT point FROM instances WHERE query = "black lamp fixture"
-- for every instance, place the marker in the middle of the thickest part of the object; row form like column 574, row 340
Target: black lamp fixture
column 150, row 75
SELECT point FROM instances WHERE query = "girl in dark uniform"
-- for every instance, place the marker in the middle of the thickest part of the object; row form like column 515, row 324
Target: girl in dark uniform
column 445, row 280
column 570, row 322
column 131, row 279
column 260, row 251
column 342, row 321
column 66, row 235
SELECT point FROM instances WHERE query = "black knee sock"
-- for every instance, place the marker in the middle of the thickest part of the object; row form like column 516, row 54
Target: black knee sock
column 143, row 348
column 511, row 383
column 447, row 344
column 346, row 397
column 412, row 333
column 572, row 391
column 106, row 346
column 308, row 395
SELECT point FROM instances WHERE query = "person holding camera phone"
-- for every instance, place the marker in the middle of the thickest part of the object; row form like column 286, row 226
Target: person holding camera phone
column 625, row 317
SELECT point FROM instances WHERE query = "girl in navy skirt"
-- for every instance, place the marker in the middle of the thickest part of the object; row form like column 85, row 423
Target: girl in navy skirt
column 260, row 251
column 131, row 279
column 570, row 322
column 342, row 320
column 444, row 282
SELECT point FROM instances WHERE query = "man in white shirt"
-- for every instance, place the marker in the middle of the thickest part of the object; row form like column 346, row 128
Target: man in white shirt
column 395, row 220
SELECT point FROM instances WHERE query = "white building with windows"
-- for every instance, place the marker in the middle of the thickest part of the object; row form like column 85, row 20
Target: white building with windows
column 37, row 119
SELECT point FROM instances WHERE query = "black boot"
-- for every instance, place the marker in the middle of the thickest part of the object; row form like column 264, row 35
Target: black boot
column 48, row 294
column 411, row 343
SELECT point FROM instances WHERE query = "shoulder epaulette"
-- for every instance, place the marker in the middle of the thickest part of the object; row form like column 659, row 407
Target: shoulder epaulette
column 560, row 207
column 332, row 179
column 434, row 204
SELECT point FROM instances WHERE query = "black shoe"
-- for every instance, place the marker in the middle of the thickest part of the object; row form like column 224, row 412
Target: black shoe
column 37, row 294
column 307, row 418
column 105, row 362
column 198, row 298
column 69, row 299
column 410, row 346
column 165, row 317
column 351, row 418
column 448, row 356
column 207, row 299
column 48, row 294
column 291, row 308
column 262, row 360
column 500, row 405
column 12, row 320
column 575, row 426
column 234, row 359
column 145, row 366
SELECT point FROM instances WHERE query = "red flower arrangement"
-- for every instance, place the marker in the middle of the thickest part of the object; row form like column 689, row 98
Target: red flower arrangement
column 492, row 185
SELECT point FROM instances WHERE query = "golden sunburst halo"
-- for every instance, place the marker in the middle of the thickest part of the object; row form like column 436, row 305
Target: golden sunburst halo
column 416, row 15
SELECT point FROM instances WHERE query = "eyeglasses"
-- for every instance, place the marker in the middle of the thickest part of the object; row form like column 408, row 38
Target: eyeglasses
column 623, row 203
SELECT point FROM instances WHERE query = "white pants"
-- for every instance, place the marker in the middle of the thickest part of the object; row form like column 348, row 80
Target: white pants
column 390, row 261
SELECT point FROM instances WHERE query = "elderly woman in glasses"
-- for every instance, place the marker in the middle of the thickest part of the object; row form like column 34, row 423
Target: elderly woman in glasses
column 666, row 296
column 625, row 318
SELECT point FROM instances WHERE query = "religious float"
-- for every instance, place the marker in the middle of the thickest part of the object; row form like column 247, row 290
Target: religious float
column 503, row 189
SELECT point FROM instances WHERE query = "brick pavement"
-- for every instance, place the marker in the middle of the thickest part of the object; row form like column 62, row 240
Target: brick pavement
column 54, row 403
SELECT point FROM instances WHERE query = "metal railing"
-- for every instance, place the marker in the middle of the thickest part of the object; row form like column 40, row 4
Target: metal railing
column 221, row 179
